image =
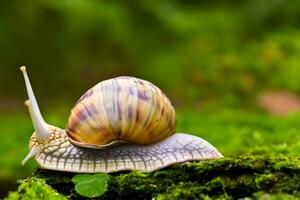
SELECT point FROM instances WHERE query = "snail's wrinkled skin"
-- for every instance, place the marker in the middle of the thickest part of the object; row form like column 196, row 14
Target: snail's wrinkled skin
column 58, row 153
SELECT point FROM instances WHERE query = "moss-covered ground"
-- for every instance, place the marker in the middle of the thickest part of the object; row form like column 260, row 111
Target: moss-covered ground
column 228, row 178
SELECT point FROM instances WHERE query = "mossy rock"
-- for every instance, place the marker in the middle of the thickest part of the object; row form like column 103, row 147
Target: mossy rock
column 229, row 178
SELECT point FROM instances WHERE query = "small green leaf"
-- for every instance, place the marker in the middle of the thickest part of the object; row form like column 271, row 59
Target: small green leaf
column 89, row 185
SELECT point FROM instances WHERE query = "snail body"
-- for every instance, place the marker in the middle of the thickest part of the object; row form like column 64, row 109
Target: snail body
column 123, row 123
column 60, row 154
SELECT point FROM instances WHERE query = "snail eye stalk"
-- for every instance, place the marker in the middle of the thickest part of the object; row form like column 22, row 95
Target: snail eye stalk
column 40, row 126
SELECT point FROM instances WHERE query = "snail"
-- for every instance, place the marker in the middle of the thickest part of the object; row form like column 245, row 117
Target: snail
column 124, row 123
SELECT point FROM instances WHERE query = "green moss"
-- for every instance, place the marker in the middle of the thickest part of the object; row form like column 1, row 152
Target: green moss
column 35, row 188
column 228, row 178
column 277, row 196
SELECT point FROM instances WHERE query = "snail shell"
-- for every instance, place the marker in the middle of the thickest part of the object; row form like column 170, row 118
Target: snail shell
column 123, row 109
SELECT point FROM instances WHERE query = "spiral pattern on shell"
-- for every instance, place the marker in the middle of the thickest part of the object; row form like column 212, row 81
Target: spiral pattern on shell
column 121, row 109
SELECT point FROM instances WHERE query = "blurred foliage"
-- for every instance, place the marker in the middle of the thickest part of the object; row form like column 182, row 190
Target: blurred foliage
column 196, row 50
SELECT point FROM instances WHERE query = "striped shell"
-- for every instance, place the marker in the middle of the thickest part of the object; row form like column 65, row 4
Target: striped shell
column 123, row 109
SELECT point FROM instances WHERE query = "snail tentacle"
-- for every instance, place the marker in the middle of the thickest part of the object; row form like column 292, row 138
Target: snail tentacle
column 33, row 152
column 40, row 126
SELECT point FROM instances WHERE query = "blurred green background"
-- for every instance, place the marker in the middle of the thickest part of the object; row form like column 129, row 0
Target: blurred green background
column 212, row 58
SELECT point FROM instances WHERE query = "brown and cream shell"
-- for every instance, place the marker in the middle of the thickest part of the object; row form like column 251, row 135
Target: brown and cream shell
column 123, row 109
